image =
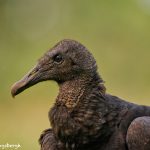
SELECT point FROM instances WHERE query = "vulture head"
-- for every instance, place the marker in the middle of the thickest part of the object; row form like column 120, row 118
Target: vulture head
column 67, row 60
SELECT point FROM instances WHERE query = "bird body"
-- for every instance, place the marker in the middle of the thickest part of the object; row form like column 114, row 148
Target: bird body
column 84, row 116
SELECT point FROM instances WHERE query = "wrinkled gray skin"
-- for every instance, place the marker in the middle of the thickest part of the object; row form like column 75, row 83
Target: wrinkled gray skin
column 84, row 116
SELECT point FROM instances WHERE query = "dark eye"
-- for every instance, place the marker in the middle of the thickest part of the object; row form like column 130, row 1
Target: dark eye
column 58, row 58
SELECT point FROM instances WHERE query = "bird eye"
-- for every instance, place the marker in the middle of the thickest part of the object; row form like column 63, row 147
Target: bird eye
column 58, row 58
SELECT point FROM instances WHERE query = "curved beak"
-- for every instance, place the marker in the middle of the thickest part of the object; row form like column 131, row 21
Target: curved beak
column 33, row 77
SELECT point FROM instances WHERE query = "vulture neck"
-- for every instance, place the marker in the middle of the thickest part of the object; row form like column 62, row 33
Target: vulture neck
column 73, row 91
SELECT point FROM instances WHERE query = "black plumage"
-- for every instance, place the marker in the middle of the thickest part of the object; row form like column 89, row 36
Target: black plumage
column 84, row 116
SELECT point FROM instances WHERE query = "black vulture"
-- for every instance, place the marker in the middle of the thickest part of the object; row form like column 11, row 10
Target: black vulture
column 85, row 116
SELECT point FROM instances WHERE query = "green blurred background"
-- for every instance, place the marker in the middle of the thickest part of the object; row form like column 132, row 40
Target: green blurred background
column 116, row 32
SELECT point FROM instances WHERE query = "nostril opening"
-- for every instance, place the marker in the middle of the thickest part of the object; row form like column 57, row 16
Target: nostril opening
column 37, row 69
column 33, row 72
